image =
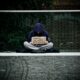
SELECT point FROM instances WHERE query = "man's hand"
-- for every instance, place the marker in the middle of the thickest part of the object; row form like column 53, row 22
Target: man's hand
column 46, row 42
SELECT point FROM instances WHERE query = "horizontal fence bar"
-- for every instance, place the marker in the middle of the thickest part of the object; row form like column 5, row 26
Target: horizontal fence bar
column 10, row 11
column 41, row 54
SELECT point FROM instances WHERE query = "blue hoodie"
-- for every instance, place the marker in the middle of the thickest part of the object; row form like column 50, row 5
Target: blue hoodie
column 38, row 31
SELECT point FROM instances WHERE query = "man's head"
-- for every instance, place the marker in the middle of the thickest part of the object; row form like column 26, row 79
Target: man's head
column 38, row 28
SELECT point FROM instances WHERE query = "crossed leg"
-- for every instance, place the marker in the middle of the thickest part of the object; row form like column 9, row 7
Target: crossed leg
column 43, row 47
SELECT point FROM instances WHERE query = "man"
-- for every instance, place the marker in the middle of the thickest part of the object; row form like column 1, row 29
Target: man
column 40, row 32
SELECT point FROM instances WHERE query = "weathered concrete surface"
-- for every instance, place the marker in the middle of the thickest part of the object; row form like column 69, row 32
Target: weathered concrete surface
column 40, row 68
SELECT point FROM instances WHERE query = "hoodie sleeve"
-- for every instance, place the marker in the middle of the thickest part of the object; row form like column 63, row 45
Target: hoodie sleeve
column 47, row 36
column 30, row 36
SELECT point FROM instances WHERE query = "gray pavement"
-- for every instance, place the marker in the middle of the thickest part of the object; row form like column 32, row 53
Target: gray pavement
column 40, row 68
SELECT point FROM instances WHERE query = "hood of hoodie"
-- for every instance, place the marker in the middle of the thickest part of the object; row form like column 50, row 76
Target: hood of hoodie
column 38, row 28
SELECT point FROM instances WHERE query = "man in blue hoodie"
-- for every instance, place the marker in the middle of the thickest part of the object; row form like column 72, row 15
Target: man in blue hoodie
column 38, row 31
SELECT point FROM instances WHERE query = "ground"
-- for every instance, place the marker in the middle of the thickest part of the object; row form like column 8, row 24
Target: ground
column 40, row 68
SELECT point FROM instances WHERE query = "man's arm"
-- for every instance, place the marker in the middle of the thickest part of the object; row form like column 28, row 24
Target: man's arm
column 30, row 36
column 47, row 36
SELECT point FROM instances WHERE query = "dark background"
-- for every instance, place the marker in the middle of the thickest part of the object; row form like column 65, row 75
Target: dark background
column 63, row 28
column 39, row 4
